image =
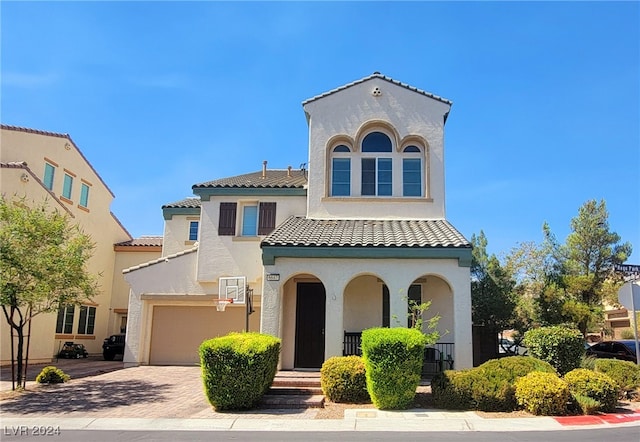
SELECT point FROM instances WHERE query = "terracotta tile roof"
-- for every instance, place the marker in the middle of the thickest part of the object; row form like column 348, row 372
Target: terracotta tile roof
column 59, row 135
column 300, row 231
column 275, row 178
column 148, row 241
column 167, row 259
column 188, row 203
column 383, row 77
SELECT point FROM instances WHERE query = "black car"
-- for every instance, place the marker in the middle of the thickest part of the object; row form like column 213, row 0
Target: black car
column 624, row 350
column 73, row 351
column 112, row 346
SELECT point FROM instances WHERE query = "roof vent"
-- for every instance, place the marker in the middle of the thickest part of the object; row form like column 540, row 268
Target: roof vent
column 264, row 169
column 288, row 171
column 376, row 92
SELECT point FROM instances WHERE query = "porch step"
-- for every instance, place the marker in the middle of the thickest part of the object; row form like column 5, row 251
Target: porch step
column 294, row 390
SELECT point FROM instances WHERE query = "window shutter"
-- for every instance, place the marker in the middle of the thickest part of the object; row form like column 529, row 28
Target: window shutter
column 267, row 218
column 227, row 221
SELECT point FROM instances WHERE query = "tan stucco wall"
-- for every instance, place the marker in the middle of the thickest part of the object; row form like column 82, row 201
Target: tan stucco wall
column 96, row 221
column 176, row 234
column 451, row 293
column 349, row 113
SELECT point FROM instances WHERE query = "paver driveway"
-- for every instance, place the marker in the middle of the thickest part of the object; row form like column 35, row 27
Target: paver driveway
column 138, row 392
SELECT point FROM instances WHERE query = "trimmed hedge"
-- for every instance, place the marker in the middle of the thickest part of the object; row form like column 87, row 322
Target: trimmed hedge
column 562, row 347
column 237, row 369
column 542, row 393
column 343, row 379
column 393, row 362
column 52, row 375
column 489, row 387
column 597, row 386
column 625, row 373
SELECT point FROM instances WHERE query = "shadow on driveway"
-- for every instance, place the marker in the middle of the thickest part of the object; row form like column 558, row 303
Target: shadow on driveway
column 86, row 396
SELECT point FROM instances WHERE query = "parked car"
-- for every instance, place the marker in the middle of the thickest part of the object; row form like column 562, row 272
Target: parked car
column 72, row 351
column 508, row 347
column 112, row 346
column 624, row 350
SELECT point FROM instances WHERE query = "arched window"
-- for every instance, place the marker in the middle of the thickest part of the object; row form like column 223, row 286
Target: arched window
column 412, row 171
column 341, row 171
column 377, row 169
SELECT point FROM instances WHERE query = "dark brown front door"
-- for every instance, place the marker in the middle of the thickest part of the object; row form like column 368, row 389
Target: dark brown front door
column 310, row 311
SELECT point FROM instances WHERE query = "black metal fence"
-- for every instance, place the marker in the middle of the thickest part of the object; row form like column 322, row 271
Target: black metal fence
column 437, row 357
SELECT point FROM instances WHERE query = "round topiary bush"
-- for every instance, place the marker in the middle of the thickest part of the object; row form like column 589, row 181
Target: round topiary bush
column 343, row 379
column 625, row 373
column 513, row 367
column 52, row 375
column 542, row 393
column 561, row 347
column 597, row 386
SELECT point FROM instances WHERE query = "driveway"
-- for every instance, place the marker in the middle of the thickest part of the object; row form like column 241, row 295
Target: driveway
column 138, row 392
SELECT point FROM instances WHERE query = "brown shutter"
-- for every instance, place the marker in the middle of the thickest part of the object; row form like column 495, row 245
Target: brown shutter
column 266, row 218
column 227, row 221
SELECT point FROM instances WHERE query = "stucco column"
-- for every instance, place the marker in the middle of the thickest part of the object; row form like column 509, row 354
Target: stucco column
column 271, row 306
column 462, row 320
column 334, row 324
column 131, row 356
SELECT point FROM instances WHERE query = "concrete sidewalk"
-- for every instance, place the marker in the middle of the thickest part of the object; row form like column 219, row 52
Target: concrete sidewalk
column 172, row 398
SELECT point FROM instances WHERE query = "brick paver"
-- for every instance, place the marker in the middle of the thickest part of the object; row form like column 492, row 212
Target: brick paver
column 138, row 392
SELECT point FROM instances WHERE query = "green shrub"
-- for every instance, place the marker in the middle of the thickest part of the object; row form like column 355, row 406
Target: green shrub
column 585, row 404
column 237, row 369
column 393, row 362
column 625, row 373
column 343, row 379
column 597, row 386
column 489, row 387
column 562, row 347
column 451, row 390
column 542, row 393
column 627, row 333
column 52, row 375
column 588, row 362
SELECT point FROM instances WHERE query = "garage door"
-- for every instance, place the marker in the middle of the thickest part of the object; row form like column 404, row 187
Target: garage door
column 178, row 331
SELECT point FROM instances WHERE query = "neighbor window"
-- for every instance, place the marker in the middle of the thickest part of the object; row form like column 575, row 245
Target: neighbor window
column 193, row 231
column 67, row 186
column 377, row 176
column 341, row 177
column 87, row 320
column 84, row 195
column 49, row 172
column 64, row 324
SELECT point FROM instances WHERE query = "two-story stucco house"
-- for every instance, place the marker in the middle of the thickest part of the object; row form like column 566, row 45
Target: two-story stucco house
column 332, row 249
column 42, row 166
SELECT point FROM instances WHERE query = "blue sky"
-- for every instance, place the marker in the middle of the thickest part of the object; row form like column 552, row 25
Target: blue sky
column 160, row 96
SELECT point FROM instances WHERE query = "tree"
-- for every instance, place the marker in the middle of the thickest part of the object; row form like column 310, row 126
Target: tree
column 492, row 299
column 567, row 283
column 42, row 268
column 590, row 253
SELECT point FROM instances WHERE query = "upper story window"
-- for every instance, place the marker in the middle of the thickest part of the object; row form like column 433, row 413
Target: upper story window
column 376, row 165
column 193, row 231
column 257, row 219
column 380, row 166
column 84, row 195
column 341, row 171
column 67, row 186
column 49, row 173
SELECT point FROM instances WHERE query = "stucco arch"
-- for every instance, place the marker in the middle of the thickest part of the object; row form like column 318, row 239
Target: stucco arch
column 372, row 125
column 418, row 140
column 435, row 288
column 363, row 302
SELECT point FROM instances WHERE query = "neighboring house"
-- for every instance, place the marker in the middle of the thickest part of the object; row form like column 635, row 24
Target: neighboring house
column 331, row 250
column 39, row 166
column 617, row 320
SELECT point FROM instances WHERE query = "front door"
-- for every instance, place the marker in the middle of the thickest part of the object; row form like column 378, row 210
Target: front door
column 310, row 311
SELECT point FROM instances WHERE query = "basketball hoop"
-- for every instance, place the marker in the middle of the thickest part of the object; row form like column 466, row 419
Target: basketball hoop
column 222, row 303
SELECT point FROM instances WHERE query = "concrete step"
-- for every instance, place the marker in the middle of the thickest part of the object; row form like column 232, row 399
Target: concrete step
column 291, row 401
column 299, row 391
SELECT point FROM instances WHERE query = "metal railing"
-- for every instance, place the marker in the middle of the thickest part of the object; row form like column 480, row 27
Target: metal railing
column 437, row 357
